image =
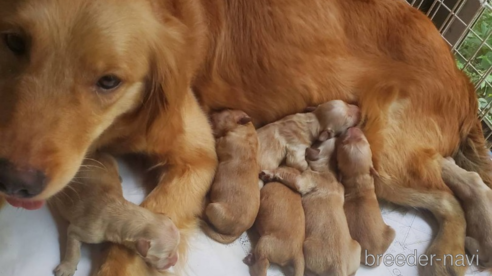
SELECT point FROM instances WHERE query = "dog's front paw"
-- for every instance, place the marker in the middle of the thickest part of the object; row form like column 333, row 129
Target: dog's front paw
column 267, row 176
column 65, row 269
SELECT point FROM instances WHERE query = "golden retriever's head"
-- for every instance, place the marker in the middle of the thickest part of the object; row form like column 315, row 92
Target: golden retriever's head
column 68, row 70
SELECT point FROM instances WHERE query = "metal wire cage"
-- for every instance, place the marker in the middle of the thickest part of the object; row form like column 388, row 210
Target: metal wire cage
column 466, row 25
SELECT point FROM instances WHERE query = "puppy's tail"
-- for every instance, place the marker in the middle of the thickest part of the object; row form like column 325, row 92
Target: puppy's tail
column 218, row 237
column 473, row 154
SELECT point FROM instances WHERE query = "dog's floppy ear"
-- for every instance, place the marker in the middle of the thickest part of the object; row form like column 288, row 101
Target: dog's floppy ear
column 244, row 120
column 143, row 247
column 169, row 81
column 312, row 154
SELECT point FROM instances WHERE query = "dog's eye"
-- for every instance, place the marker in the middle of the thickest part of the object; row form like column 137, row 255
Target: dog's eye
column 108, row 82
column 15, row 43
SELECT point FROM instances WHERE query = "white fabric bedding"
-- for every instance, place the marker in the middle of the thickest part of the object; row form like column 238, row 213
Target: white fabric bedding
column 29, row 243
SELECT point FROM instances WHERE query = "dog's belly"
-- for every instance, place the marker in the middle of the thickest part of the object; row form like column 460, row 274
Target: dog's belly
column 276, row 59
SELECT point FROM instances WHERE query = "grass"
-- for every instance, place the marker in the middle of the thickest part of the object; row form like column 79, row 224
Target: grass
column 480, row 62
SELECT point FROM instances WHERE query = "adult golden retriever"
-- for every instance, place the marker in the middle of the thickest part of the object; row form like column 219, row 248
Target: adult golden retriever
column 119, row 76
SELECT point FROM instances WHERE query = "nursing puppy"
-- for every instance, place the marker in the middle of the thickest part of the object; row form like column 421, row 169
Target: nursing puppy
column 97, row 212
column 280, row 223
column 476, row 199
column 361, row 205
column 235, row 195
column 328, row 249
column 289, row 137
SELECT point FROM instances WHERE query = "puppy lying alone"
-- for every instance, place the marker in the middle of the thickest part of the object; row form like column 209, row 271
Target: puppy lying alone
column 234, row 195
column 97, row 212
column 476, row 199
column 280, row 223
column 328, row 249
column 361, row 205
column 289, row 137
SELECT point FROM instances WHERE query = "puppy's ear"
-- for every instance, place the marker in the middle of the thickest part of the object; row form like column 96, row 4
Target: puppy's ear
column 312, row 154
column 326, row 134
column 143, row 247
column 374, row 173
column 310, row 109
column 244, row 120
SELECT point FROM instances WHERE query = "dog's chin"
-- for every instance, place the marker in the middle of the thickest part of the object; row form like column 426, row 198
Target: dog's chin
column 25, row 203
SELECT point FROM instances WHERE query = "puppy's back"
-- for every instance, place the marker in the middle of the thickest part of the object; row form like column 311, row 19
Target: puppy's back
column 280, row 212
column 96, row 185
column 281, row 225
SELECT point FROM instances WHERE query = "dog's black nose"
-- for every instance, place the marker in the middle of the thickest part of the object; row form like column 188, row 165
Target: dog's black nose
column 20, row 182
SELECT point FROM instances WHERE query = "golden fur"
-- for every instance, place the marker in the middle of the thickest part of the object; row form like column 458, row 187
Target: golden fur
column 361, row 205
column 328, row 249
column 267, row 58
column 476, row 199
column 288, row 138
column 234, row 195
column 94, row 206
column 281, row 226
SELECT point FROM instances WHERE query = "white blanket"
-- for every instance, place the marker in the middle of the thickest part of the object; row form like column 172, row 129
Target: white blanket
column 29, row 243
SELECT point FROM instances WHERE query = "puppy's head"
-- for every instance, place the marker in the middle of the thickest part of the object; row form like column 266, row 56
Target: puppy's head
column 336, row 116
column 68, row 71
column 227, row 120
column 159, row 245
column 354, row 153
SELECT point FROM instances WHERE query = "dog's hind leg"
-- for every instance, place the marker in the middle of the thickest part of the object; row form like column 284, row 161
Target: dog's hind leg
column 450, row 237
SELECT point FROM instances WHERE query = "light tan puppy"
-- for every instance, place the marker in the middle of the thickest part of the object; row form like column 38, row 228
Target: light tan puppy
column 280, row 224
column 235, row 195
column 97, row 212
column 328, row 249
column 361, row 205
column 476, row 199
column 288, row 138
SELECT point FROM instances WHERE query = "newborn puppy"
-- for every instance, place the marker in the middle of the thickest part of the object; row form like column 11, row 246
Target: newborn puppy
column 288, row 138
column 97, row 212
column 476, row 199
column 234, row 195
column 280, row 223
column 328, row 249
column 361, row 205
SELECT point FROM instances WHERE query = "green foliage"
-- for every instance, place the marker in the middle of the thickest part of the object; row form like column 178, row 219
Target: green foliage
column 481, row 60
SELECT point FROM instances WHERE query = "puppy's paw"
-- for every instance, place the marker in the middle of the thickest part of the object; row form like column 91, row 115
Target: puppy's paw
column 249, row 260
column 267, row 176
column 65, row 269
column 304, row 187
